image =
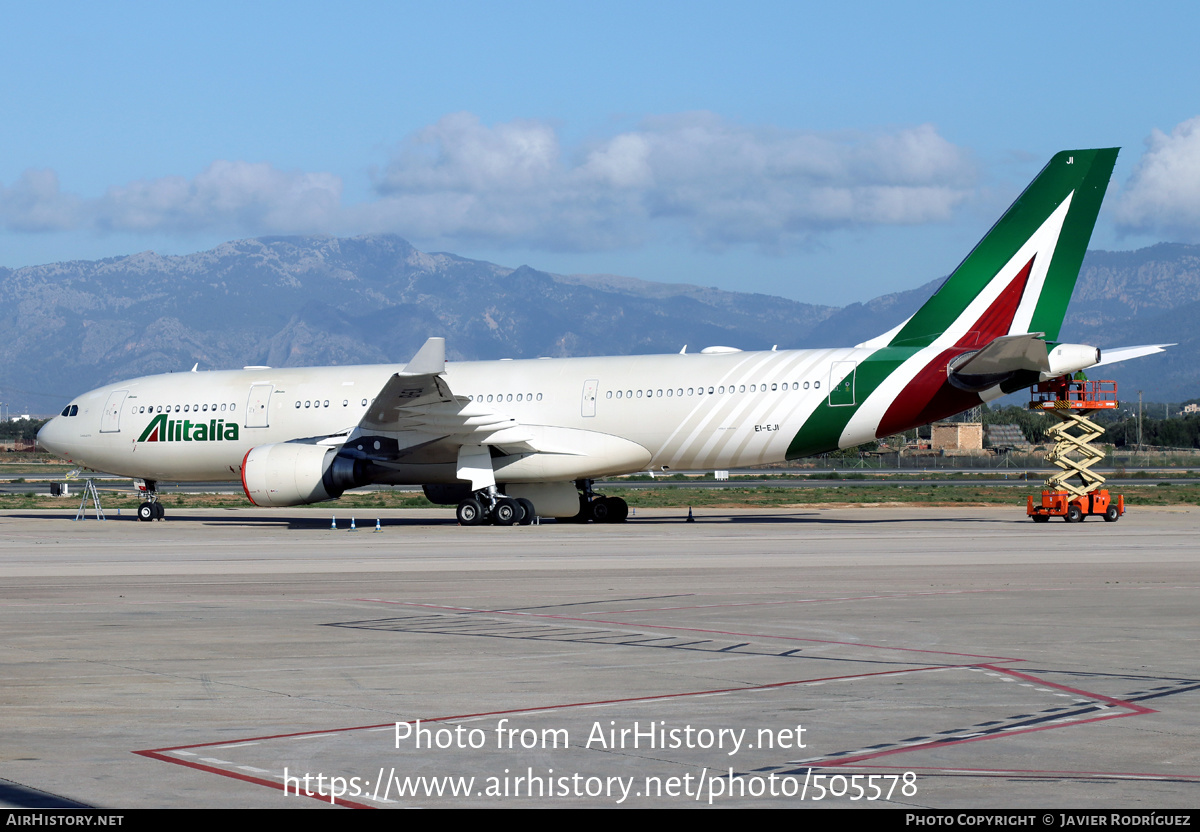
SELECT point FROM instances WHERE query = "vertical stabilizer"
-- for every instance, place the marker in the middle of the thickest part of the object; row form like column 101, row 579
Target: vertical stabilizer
column 1020, row 276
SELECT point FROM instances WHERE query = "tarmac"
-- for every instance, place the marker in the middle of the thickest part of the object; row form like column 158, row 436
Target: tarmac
column 850, row 658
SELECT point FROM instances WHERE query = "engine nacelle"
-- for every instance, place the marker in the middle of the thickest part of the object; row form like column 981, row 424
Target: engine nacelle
column 1071, row 358
column 293, row 474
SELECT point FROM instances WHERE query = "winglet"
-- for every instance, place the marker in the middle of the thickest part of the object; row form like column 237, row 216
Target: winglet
column 430, row 360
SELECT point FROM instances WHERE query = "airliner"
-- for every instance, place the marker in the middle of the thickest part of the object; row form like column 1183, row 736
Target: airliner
column 505, row 441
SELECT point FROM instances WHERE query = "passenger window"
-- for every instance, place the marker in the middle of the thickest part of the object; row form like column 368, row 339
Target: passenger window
column 297, row 405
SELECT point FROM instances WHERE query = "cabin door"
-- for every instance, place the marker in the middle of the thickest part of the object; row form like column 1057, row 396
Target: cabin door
column 257, row 412
column 589, row 396
column 110, row 421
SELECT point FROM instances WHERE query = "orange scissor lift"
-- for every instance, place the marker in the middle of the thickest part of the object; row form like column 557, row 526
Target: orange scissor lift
column 1071, row 401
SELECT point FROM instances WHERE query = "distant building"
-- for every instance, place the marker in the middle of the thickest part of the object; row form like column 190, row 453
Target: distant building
column 1190, row 408
column 957, row 436
column 1006, row 436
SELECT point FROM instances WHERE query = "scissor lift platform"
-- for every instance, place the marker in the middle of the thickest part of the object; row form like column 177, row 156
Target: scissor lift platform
column 1073, row 452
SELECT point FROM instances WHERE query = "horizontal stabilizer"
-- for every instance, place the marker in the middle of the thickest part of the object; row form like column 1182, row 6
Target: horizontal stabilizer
column 1125, row 353
column 1008, row 354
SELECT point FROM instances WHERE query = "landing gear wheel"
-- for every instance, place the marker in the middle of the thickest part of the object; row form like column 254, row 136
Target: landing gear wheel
column 1112, row 515
column 1041, row 518
column 159, row 511
column 505, row 512
column 600, row 511
column 469, row 512
column 146, row 512
column 618, row 510
column 530, row 512
column 1074, row 514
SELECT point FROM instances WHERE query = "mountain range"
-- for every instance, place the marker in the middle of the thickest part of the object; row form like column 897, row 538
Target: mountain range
column 287, row 301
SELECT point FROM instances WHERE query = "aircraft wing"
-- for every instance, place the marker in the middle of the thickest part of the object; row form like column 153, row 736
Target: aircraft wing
column 417, row 408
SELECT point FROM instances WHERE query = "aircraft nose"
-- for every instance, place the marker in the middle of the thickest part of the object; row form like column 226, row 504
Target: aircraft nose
column 49, row 437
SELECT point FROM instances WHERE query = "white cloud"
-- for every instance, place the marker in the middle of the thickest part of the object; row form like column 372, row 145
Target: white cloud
column 718, row 182
column 460, row 182
column 1162, row 196
column 36, row 203
column 240, row 197
column 249, row 197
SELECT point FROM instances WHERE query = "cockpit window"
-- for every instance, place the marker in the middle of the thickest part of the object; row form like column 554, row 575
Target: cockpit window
column 66, row 411
column 74, row 410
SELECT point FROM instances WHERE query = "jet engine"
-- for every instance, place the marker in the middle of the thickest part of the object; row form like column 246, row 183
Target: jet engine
column 1071, row 358
column 292, row 474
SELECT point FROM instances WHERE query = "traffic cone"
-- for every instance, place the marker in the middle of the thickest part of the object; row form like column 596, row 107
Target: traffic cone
column 690, row 518
column 352, row 526
column 377, row 525
column 333, row 522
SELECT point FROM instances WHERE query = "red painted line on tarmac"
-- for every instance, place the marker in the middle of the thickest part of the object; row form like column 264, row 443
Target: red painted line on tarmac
column 1120, row 703
column 837, row 763
column 558, row 707
column 1131, row 708
column 643, row 626
column 161, row 753
column 155, row 755
column 883, row 597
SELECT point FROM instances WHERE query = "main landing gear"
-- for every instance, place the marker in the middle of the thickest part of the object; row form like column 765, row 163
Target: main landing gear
column 596, row 507
column 151, row 509
column 488, row 505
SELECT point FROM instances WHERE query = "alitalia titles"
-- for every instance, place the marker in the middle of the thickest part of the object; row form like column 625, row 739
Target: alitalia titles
column 162, row 429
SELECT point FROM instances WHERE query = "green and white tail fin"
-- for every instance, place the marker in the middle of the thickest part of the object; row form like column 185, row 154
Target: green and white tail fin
column 1020, row 276
column 1017, row 281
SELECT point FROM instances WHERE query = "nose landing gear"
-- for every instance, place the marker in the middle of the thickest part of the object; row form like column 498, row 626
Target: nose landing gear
column 151, row 508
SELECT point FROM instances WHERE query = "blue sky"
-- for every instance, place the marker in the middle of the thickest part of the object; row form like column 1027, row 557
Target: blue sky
column 825, row 154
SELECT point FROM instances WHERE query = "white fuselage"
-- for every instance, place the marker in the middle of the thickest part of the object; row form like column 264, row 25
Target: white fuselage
column 686, row 411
